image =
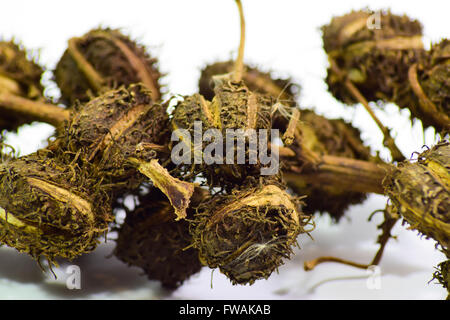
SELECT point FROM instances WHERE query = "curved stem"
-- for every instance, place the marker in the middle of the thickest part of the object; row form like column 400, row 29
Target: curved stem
column 239, row 64
column 388, row 141
column 94, row 78
column 38, row 111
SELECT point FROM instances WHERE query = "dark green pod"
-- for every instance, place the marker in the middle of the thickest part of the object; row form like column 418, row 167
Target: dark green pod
column 152, row 240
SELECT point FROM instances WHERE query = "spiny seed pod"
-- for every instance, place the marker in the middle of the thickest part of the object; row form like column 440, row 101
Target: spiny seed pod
column 376, row 60
column 257, row 81
column 247, row 234
column 420, row 193
column 115, row 126
column 50, row 209
column 443, row 275
column 151, row 239
column 430, row 86
column 19, row 76
column 104, row 58
column 330, row 137
column 234, row 106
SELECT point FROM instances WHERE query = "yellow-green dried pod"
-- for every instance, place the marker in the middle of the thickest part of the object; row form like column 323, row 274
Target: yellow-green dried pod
column 152, row 240
column 375, row 50
column 50, row 209
column 420, row 193
column 19, row 76
column 104, row 58
column 235, row 107
column 257, row 81
column 326, row 137
column 115, row 126
column 249, row 232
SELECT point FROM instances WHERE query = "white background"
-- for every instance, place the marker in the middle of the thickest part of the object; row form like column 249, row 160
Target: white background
column 282, row 36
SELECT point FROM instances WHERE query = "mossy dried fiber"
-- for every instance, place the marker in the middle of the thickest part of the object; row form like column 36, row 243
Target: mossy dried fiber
column 21, row 76
column 376, row 60
column 115, row 126
column 326, row 137
column 257, row 81
column 234, row 106
column 152, row 240
column 51, row 209
column 104, row 58
column 249, row 232
column 420, row 193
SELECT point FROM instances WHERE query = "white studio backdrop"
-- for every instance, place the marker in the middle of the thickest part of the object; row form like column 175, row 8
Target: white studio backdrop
column 282, row 36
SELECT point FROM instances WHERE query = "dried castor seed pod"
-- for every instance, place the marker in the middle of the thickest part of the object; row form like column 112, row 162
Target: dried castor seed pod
column 19, row 76
column 234, row 107
column 327, row 137
column 104, row 58
column 375, row 60
column 430, row 84
column 247, row 233
column 420, row 193
column 257, row 81
column 50, row 209
column 442, row 275
column 151, row 239
column 118, row 125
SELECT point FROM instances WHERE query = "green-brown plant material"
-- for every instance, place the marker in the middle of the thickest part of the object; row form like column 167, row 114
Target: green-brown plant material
column 430, row 84
column 420, row 193
column 326, row 137
column 114, row 127
column 442, row 275
column 249, row 232
column 257, row 81
column 50, row 209
column 152, row 240
column 376, row 60
column 234, row 106
column 104, row 58
column 19, row 76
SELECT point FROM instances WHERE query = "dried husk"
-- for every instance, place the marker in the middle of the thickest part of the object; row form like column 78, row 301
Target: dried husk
column 51, row 209
column 152, row 240
column 234, row 106
column 420, row 193
column 110, row 129
column 249, row 232
column 375, row 60
column 19, row 76
column 257, row 81
column 116, row 59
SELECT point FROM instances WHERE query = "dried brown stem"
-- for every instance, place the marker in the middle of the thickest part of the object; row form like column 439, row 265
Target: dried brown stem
column 388, row 141
column 39, row 111
column 239, row 64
